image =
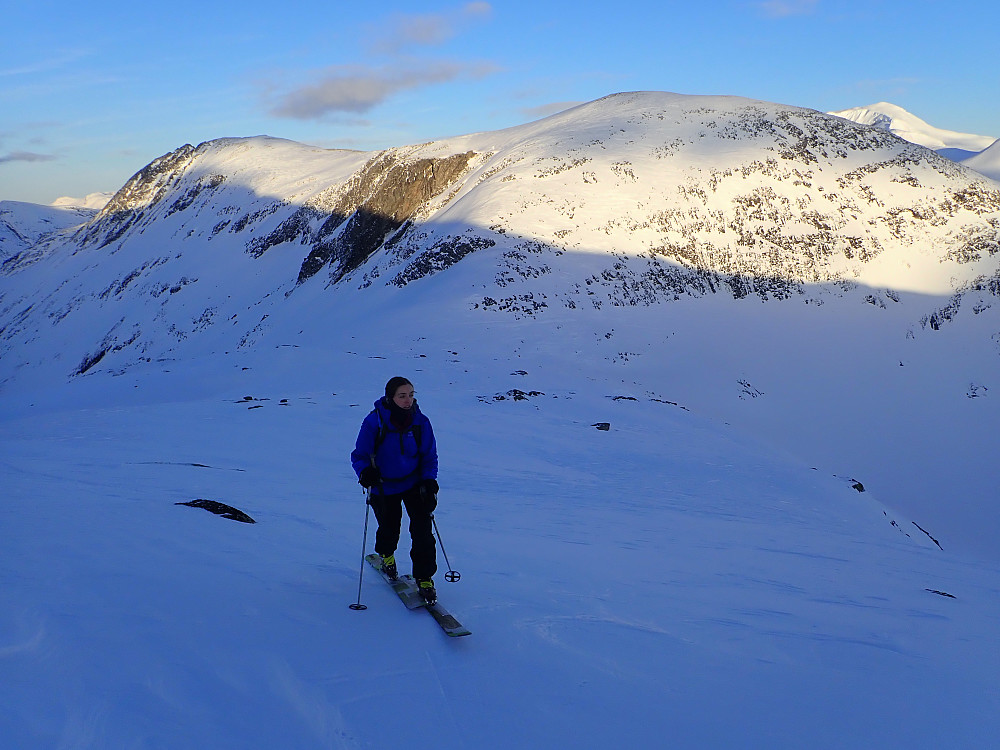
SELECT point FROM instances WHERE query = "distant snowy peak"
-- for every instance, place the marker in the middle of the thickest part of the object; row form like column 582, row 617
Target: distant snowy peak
column 93, row 201
column 907, row 126
column 987, row 162
column 24, row 225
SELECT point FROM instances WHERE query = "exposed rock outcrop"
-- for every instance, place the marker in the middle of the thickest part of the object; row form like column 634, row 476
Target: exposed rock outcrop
column 146, row 188
column 375, row 204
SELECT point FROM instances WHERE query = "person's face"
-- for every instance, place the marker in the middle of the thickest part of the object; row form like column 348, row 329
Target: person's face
column 403, row 397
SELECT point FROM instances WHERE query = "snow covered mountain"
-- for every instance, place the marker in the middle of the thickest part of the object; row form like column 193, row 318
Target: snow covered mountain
column 634, row 199
column 714, row 383
column 676, row 215
column 95, row 201
column 896, row 120
column 23, row 225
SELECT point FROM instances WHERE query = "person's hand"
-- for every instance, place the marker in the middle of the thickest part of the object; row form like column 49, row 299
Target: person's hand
column 428, row 491
column 369, row 477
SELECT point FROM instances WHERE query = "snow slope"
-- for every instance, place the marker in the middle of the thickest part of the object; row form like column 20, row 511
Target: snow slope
column 669, row 580
column 632, row 200
column 986, row 162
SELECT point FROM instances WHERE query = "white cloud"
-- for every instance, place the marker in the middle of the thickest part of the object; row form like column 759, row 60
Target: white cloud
column 426, row 29
column 28, row 156
column 358, row 89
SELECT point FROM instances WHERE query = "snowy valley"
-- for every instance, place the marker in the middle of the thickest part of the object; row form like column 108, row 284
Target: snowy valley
column 714, row 382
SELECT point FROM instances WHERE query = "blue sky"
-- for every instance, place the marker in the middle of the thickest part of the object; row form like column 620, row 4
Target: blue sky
column 92, row 92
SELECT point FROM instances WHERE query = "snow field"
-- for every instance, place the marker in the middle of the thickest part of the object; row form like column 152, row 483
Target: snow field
column 669, row 579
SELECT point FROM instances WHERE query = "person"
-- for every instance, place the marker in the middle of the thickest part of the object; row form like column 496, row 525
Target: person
column 395, row 458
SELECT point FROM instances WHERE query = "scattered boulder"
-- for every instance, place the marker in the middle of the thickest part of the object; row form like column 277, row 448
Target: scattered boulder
column 220, row 509
column 514, row 394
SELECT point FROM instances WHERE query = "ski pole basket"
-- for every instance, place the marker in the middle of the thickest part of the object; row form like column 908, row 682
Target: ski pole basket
column 452, row 576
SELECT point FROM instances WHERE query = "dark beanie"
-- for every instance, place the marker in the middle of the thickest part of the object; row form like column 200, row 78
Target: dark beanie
column 393, row 385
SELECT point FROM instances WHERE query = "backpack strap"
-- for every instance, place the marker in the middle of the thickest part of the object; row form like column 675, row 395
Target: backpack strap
column 380, row 436
column 383, row 430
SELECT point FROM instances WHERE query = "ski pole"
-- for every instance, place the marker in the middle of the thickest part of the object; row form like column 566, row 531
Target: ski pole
column 357, row 606
column 452, row 576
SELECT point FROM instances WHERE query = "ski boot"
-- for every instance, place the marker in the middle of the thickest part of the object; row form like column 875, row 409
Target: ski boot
column 426, row 588
column 389, row 566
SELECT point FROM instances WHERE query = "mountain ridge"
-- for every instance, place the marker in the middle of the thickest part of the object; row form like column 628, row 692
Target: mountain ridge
column 635, row 199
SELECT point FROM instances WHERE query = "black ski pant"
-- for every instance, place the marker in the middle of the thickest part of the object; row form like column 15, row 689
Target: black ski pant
column 389, row 514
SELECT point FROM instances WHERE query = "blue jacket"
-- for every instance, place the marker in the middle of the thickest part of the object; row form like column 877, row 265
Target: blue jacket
column 399, row 459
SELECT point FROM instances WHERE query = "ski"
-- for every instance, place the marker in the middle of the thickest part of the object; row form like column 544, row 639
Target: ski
column 444, row 618
column 406, row 589
column 407, row 592
column 452, row 627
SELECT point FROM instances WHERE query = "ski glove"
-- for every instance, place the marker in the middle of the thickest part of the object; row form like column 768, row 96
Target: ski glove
column 369, row 477
column 428, row 491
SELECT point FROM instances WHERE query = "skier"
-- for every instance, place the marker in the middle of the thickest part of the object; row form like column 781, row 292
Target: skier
column 395, row 458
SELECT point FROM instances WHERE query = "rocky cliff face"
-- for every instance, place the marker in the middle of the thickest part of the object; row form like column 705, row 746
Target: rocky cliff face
column 385, row 194
column 343, row 225
column 133, row 203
